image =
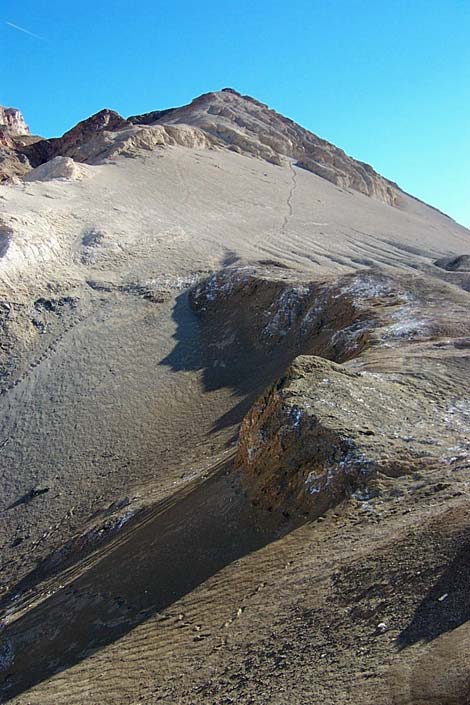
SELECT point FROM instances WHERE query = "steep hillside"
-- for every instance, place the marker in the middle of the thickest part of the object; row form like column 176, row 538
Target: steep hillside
column 234, row 419
column 247, row 126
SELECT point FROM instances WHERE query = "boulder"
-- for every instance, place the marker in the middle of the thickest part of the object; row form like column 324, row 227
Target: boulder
column 57, row 168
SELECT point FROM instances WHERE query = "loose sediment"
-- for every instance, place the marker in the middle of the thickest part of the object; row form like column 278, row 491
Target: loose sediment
column 235, row 419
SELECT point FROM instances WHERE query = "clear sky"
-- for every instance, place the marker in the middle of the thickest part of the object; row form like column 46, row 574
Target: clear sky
column 388, row 81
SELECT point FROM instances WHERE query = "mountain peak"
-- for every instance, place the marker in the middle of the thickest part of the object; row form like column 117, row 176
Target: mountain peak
column 228, row 120
column 245, row 125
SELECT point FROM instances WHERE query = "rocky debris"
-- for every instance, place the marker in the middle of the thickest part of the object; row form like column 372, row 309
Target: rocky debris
column 459, row 263
column 13, row 121
column 245, row 125
column 58, row 168
column 45, row 311
column 145, row 291
column 55, row 305
column 95, row 237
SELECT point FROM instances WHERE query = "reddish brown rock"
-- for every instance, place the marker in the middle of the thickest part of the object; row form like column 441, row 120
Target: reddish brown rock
column 70, row 143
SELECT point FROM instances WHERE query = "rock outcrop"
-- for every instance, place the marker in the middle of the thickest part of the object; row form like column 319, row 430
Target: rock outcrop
column 70, row 144
column 323, row 431
column 14, row 137
column 459, row 263
column 395, row 404
column 107, row 135
column 13, row 163
column 13, row 121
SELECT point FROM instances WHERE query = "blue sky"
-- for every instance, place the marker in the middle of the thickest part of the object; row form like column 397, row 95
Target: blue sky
column 389, row 82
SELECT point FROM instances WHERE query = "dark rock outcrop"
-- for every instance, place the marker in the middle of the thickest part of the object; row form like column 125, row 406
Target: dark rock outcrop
column 459, row 263
column 70, row 143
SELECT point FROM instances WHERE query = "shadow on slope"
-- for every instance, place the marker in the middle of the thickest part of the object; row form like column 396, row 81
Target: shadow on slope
column 145, row 570
column 447, row 604
column 226, row 355
column 150, row 565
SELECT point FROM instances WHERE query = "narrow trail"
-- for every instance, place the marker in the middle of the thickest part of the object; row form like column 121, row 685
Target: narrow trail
column 262, row 242
column 290, row 208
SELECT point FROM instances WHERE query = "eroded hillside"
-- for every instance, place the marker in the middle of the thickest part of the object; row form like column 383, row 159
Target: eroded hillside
column 235, row 419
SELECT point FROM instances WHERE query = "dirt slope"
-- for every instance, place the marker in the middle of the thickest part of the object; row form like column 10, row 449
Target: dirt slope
column 151, row 298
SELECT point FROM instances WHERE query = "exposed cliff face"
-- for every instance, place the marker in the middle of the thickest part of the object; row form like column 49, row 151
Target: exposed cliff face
column 396, row 405
column 14, row 137
column 13, row 121
column 322, row 432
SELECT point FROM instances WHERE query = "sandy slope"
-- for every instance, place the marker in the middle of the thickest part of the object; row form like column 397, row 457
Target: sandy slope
column 197, row 207
column 124, row 395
